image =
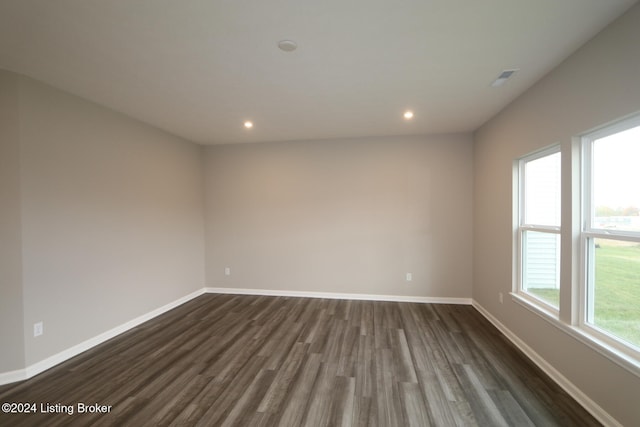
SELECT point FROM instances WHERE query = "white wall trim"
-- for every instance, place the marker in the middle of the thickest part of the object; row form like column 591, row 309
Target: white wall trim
column 339, row 295
column 592, row 407
column 49, row 362
column 13, row 376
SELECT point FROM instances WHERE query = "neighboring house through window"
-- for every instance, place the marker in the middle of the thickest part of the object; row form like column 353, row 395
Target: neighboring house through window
column 539, row 227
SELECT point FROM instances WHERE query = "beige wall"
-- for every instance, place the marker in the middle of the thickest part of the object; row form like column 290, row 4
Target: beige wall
column 112, row 218
column 598, row 84
column 11, row 315
column 349, row 216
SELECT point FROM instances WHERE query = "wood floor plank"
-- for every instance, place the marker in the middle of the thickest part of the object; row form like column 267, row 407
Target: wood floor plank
column 242, row 412
column 402, row 360
column 235, row 390
column 439, row 407
column 276, row 393
column 239, row 360
column 413, row 404
column 509, row 408
column 348, row 356
column 344, row 409
column 388, row 398
column 484, row 407
column 298, row 400
column 323, row 397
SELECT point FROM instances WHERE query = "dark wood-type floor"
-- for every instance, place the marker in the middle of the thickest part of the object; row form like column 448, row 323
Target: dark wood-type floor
column 258, row 361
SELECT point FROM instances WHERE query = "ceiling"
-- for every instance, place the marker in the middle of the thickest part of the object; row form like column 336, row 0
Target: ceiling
column 200, row 68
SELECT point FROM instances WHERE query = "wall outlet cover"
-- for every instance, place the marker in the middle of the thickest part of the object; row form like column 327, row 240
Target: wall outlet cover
column 38, row 329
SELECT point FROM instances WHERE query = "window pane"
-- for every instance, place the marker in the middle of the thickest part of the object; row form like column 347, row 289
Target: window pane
column 614, row 304
column 542, row 191
column 541, row 266
column 616, row 181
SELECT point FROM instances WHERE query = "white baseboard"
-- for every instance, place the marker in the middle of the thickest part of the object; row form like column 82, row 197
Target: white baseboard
column 13, row 376
column 592, row 407
column 338, row 295
column 49, row 362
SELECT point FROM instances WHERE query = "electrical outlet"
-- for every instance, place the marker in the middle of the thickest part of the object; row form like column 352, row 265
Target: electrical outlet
column 500, row 297
column 409, row 277
column 227, row 271
column 38, row 329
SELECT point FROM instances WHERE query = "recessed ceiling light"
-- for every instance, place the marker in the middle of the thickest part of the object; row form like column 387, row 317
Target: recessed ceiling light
column 287, row 45
column 408, row 115
column 248, row 124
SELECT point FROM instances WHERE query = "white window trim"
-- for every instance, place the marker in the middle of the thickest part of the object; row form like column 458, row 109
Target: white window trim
column 518, row 293
column 570, row 321
column 621, row 350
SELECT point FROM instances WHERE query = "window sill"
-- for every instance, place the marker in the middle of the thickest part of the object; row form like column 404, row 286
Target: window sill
column 621, row 359
column 538, row 308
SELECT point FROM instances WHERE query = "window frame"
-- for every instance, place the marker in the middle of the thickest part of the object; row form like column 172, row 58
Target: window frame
column 521, row 227
column 568, row 318
column 588, row 234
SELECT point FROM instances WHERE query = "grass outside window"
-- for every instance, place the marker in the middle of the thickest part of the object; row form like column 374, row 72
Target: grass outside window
column 616, row 290
column 616, row 294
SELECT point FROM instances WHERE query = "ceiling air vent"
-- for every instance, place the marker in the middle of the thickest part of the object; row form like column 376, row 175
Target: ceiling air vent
column 503, row 77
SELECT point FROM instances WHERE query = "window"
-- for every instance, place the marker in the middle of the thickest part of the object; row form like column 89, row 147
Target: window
column 602, row 305
column 538, row 234
column 610, row 301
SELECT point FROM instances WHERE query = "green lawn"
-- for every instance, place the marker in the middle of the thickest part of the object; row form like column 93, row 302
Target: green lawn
column 552, row 296
column 617, row 290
